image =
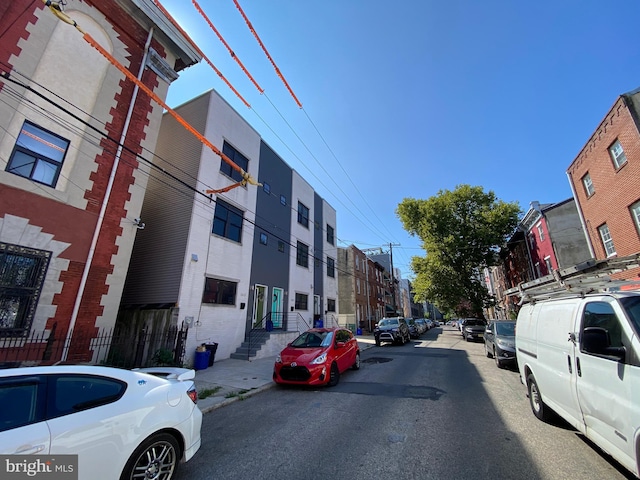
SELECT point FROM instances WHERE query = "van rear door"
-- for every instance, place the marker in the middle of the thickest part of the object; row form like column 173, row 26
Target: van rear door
column 605, row 385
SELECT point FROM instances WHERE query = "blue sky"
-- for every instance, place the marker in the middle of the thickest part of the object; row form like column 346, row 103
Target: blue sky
column 404, row 99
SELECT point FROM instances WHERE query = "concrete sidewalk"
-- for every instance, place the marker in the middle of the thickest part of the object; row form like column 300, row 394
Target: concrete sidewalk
column 229, row 380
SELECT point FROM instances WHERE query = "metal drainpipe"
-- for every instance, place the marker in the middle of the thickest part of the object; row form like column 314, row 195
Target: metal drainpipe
column 580, row 215
column 105, row 202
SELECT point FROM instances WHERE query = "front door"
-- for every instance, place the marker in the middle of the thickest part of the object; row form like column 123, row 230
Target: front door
column 277, row 307
column 259, row 306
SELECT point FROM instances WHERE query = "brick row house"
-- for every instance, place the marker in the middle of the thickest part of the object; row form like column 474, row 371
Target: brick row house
column 76, row 143
column 230, row 263
column 600, row 221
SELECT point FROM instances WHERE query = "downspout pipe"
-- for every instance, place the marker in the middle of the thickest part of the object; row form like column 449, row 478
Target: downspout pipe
column 105, row 201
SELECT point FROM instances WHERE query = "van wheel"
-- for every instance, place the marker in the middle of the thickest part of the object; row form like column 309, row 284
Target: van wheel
column 538, row 407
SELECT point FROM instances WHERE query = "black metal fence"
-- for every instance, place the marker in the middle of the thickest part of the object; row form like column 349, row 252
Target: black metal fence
column 103, row 347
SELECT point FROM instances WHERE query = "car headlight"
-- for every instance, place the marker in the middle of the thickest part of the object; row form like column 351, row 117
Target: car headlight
column 278, row 358
column 320, row 359
column 504, row 343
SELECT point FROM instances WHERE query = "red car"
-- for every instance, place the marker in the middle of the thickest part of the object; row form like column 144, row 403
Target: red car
column 317, row 357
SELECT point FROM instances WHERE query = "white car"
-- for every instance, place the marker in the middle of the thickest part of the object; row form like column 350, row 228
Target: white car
column 120, row 423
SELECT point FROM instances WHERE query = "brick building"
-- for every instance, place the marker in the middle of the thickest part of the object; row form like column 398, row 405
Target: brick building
column 605, row 178
column 76, row 142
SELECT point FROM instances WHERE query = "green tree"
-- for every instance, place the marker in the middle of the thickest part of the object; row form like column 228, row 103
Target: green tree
column 461, row 231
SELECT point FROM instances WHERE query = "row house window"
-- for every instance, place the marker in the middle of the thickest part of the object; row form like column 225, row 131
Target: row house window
column 635, row 214
column 607, row 241
column 331, row 267
column 236, row 157
column 227, row 221
column 303, row 215
column 302, row 255
column 221, row 292
column 38, row 155
column 330, row 235
column 618, row 156
column 588, row 185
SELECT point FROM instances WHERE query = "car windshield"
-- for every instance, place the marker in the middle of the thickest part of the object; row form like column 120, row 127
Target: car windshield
column 508, row 329
column 385, row 322
column 313, row 339
column 632, row 307
column 473, row 322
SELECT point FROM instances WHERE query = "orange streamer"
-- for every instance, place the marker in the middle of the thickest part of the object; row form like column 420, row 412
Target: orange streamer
column 255, row 34
column 231, row 52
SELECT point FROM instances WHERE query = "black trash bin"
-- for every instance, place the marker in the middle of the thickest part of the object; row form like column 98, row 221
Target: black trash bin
column 211, row 348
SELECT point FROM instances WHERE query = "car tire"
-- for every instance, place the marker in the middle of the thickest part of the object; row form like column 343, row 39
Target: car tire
column 334, row 375
column 489, row 354
column 356, row 364
column 159, row 456
column 538, row 407
column 497, row 359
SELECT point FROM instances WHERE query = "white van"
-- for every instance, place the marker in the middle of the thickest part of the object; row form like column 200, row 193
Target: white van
column 580, row 357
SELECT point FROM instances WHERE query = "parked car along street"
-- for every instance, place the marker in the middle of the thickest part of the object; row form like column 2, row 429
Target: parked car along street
column 121, row 423
column 500, row 341
column 473, row 329
column 392, row 330
column 317, row 357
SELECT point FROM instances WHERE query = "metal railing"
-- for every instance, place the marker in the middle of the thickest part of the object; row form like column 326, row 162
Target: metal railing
column 273, row 321
column 95, row 347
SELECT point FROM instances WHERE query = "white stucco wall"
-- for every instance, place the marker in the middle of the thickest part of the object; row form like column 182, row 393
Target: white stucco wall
column 301, row 278
column 219, row 257
column 330, row 284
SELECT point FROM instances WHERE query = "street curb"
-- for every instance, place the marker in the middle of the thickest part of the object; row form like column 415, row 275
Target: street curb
column 236, row 398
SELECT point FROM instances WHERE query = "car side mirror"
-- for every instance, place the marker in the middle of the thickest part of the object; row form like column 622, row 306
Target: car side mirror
column 596, row 340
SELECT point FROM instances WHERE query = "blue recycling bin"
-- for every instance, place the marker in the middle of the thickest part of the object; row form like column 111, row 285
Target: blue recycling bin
column 318, row 323
column 202, row 360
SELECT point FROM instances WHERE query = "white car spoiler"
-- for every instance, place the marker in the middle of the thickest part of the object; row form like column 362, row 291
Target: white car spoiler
column 176, row 373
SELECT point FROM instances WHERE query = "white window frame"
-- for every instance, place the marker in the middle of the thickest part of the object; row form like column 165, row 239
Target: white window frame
column 635, row 214
column 607, row 240
column 540, row 231
column 618, row 156
column 588, row 184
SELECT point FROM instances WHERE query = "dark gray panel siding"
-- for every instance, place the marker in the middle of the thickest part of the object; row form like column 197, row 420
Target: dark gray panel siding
column 319, row 267
column 155, row 270
column 270, row 267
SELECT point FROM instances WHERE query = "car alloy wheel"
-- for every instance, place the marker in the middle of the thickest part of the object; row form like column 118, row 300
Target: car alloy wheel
column 497, row 359
column 356, row 364
column 540, row 410
column 334, row 375
column 156, row 458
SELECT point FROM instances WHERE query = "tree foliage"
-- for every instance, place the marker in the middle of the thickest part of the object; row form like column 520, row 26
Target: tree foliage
column 461, row 231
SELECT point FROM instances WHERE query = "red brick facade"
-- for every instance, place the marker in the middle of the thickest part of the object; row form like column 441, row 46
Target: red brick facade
column 49, row 212
column 614, row 189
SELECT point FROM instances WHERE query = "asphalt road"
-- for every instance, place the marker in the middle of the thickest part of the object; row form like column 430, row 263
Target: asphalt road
column 436, row 408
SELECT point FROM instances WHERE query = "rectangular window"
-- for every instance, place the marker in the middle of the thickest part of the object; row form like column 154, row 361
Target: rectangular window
column 283, row 200
column 237, row 158
column 302, row 255
column 38, row 154
column 22, row 274
column 263, row 238
column 227, row 221
column 330, row 235
column 607, row 241
column 331, row 304
column 358, row 286
column 221, row 292
column 266, row 188
column 540, row 231
column 547, row 261
column 618, row 156
column 302, row 301
column 635, row 214
column 280, row 246
column 331, row 267
column 588, row 185
column 303, row 215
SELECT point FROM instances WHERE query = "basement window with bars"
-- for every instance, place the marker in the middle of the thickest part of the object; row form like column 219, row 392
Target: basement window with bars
column 22, row 274
column 38, row 155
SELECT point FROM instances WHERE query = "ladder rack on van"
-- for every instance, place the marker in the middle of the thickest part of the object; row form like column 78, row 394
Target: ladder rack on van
column 587, row 277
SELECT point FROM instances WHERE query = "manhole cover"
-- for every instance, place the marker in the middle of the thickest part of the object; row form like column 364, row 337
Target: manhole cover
column 377, row 360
